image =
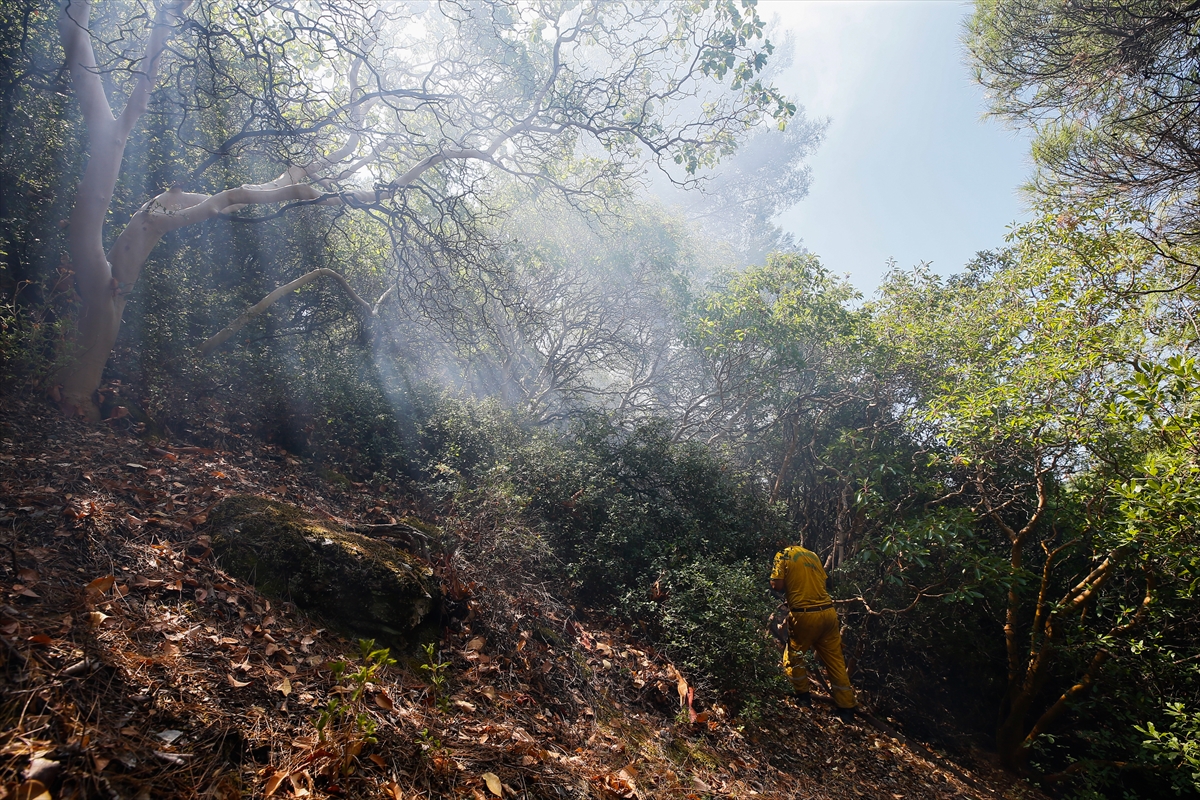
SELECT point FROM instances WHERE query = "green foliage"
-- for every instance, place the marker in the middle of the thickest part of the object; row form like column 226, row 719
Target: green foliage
column 436, row 669
column 344, row 718
column 428, row 741
column 461, row 439
column 1053, row 417
column 625, row 511
column 773, row 335
column 799, row 402
column 623, row 506
column 38, row 145
column 725, row 53
column 1179, row 745
column 1018, row 352
column 34, row 335
column 1160, row 500
column 627, row 514
column 713, row 618
column 1109, row 87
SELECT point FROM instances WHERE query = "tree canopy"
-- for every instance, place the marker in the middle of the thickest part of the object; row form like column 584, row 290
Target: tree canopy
column 1111, row 88
column 408, row 113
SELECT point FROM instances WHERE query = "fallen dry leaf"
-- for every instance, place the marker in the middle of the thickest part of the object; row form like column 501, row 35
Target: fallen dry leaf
column 32, row 790
column 493, row 783
column 273, row 783
column 285, row 688
column 102, row 585
column 299, row 779
column 236, row 683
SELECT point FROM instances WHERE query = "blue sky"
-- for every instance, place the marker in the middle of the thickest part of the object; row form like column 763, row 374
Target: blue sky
column 909, row 169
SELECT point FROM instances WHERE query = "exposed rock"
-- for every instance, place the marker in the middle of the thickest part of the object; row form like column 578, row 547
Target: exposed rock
column 362, row 587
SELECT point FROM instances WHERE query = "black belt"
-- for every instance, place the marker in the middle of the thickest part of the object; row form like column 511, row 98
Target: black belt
column 825, row 607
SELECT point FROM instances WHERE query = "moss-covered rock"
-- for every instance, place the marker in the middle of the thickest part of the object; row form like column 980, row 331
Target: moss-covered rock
column 361, row 587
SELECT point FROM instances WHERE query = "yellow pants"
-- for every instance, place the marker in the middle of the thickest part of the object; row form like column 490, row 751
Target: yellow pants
column 817, row 630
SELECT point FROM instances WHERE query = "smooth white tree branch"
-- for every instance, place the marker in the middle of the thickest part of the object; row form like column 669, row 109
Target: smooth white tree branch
column 259, row 308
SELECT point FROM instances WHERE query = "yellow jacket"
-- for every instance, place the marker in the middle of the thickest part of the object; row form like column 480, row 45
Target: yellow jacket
column 803, row 577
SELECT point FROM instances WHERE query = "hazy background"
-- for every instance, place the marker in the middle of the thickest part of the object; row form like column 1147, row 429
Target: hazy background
column 909, row 169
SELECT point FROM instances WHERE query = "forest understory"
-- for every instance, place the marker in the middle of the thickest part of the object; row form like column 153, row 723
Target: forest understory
column 134, row 667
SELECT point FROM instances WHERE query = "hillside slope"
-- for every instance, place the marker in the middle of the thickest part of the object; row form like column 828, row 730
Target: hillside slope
column 131, row 666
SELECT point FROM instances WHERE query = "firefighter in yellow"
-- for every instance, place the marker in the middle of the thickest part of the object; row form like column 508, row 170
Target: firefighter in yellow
column 812, row 624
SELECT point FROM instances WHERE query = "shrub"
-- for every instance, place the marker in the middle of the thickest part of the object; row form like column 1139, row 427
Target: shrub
column 712, row 620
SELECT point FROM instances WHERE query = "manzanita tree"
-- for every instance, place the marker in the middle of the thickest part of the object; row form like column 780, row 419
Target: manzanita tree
column 407, row 112
column 1017, row 369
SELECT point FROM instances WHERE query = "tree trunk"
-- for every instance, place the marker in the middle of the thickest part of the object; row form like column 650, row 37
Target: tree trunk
column 1014, row 736
column 1011, row 734
column 102, row 279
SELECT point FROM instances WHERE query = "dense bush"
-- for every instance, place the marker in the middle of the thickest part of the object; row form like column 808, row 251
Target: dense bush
column 713, row 619
column 669, row 537
column 622, row 506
